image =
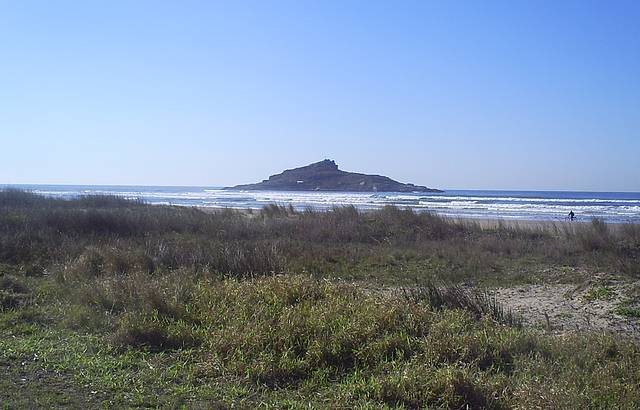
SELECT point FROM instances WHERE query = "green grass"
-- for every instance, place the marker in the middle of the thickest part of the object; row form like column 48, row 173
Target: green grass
column 600, row 293
column 300, row 341
column 629, row 307
column 628, row 311
column 109, row 303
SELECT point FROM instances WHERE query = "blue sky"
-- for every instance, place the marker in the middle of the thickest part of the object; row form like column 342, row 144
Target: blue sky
column 478, row 94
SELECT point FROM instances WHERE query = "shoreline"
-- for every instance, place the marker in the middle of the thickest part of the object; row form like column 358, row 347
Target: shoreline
column 532, row 206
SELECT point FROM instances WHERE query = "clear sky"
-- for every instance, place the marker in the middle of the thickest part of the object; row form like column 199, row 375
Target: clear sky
column 449, row 94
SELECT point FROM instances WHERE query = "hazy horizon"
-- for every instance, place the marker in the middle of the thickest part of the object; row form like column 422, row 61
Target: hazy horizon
column 492, row 96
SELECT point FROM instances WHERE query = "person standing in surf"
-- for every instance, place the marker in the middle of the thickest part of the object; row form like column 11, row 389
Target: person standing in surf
column 571, row 215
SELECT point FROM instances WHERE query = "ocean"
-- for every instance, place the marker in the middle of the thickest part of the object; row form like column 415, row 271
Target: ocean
column 614, row 207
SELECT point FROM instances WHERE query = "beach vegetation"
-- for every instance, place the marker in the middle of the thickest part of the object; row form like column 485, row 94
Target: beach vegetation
column 106, row 302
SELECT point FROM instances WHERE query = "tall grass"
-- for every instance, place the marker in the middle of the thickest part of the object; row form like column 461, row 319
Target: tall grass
column 41, row 231
column 478, row 303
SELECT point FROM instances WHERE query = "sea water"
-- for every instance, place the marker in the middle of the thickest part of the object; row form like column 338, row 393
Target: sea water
column 616, row 207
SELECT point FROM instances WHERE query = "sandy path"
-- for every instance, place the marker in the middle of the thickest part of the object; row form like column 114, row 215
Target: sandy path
column 567, row 308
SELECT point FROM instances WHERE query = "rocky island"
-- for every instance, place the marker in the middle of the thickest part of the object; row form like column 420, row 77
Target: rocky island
column 325, row 176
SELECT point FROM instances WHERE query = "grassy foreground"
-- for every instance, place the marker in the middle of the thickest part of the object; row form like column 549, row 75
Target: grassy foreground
column 111, row 303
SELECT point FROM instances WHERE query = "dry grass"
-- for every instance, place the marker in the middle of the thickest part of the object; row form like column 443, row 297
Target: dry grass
column 118, row 235
column 478, row 303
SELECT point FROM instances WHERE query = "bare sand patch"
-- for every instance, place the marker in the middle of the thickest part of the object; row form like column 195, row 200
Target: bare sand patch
column 561, row 308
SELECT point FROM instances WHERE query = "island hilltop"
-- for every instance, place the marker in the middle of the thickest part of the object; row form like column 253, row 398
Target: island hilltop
column 325, row 176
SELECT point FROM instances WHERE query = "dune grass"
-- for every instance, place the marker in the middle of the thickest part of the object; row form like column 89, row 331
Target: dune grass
column 106, row 302
column 390, row 245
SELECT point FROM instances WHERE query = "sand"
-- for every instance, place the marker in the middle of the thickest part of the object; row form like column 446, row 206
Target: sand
column 562, row 309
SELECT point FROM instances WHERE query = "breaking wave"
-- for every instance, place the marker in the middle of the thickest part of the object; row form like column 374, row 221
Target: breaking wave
column 526, row 205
